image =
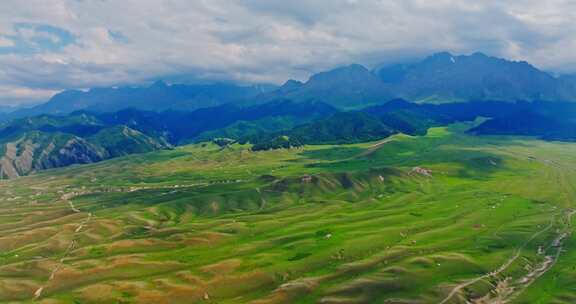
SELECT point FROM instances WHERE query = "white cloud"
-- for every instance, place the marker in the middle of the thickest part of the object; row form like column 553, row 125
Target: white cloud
column 12, row 96
column 132, row 41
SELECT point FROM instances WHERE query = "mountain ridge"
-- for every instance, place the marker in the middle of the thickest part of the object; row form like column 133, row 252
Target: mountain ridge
column 438, row 78
column 157, row 97
column 48, row 140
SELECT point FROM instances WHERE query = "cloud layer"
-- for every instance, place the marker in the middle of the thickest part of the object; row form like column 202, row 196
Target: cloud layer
column 50, row 45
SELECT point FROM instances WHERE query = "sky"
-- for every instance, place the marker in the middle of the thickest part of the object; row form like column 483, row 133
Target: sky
column 51, row 45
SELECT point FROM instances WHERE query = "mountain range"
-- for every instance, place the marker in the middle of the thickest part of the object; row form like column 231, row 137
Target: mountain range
column 157, row 97
column 439, row 78
column 344, row 105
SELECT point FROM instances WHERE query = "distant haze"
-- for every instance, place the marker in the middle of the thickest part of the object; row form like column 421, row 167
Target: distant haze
column 50, row 45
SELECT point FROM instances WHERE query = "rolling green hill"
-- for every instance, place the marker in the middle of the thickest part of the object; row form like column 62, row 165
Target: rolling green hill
column 442, row 218
column 546, row 120
column 47, row 141
column 36, row 143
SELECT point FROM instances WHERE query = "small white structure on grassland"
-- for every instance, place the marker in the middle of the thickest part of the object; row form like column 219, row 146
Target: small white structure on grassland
column 421, row 171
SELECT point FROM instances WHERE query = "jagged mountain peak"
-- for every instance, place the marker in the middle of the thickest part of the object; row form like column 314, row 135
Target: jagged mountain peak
column 351, row 71
column 290, row 85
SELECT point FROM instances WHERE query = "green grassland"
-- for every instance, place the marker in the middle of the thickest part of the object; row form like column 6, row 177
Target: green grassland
column 442, row 218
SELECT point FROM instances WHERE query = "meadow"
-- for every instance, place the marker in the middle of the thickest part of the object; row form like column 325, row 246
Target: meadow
column 441, row 218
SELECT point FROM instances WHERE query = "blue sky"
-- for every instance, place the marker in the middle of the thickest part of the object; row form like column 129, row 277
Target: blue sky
column 51, row 45
column 30, row 38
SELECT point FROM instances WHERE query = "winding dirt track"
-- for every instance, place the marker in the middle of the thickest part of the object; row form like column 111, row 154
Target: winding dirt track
column 549, row 261
column 71, row 245
column 67, row 199
column 501, row 295
column 375, row 147
column 503, row 267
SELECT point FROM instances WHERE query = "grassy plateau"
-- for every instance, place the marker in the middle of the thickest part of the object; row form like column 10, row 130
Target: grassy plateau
column 441, row 218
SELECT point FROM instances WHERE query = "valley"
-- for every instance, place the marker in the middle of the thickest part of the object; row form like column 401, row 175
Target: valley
column 287, row 152
column 442, row 218
column 344, row 105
